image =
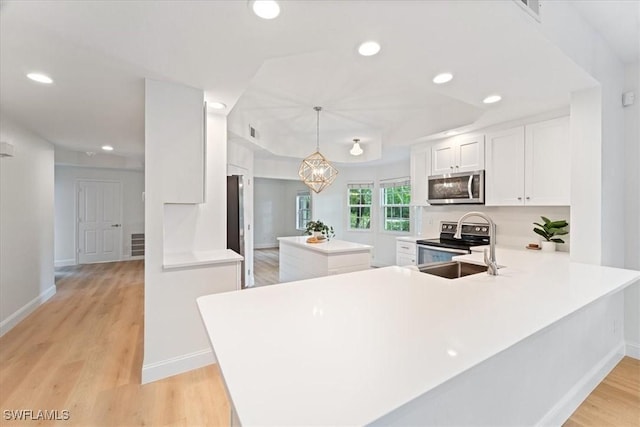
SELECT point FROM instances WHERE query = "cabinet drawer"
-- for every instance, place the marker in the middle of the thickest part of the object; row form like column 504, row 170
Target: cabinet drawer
column 404, row 259
column 406, row 248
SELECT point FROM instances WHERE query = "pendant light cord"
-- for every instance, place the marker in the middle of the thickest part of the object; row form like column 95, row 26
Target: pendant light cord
column 318, row 109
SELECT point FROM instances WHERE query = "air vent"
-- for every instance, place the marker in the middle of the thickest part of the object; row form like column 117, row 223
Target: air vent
column 531, row 6
column 137, row 244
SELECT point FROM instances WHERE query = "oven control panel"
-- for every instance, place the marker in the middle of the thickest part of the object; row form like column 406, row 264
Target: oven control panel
column 468, row 228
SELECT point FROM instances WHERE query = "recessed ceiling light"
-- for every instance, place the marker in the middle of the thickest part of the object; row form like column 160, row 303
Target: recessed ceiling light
column 369, row 48
column 266, row 9
column 442, row 78
column 107, row 148
column 492, row 99
column 217, row 105
column 40, row 78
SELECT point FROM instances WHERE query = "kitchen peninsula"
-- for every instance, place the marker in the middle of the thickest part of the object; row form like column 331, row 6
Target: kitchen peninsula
column 393, row 346
column 301, row 260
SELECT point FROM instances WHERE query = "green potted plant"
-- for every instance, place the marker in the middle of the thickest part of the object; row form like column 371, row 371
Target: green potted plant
column 549, row 230
column 318, row 228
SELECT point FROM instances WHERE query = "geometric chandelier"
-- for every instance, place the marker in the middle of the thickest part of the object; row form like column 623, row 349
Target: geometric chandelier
column 315, row 171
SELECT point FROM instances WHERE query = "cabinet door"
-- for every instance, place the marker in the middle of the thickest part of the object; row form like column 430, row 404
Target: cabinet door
column 420, row 166
column 504, row 176
column 547, row 163
column 470, row 156
column 442, row 157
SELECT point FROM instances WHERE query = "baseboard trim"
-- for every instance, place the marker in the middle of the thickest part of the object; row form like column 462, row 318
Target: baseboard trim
column 176, row 365
column 7, row 324
column 579, row 392
column 265, row 246
column 65, row 262
column 632, row 350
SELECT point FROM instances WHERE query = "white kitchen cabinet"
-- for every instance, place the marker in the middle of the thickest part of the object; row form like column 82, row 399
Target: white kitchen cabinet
column 463, row 153
column 528, row 165
column 405, row 253
column 174, row 135
column 420, row 170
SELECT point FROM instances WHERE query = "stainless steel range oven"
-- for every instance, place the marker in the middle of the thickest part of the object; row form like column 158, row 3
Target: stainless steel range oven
column 444, row 248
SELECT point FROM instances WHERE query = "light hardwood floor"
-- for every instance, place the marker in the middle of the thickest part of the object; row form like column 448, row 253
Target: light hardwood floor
column 266, row 267
column 82, row 352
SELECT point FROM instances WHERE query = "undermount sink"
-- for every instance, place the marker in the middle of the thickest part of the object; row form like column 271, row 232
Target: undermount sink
column 453, row 269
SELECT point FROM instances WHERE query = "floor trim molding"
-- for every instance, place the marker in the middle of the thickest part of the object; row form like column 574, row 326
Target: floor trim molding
column 176, row 365
column 265, row 246
column 632, row 350
column 64, row 262
column 7, row 324
column 579, row 392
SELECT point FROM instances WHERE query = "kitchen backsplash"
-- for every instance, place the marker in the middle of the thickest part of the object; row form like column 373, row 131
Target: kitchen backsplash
column 514, row 223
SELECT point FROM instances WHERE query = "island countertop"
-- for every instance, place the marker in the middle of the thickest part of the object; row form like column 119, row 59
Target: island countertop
column 351, row 348
column 329, row 246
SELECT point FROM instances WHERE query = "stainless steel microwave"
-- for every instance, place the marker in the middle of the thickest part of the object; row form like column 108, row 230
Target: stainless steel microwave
column 456, row 188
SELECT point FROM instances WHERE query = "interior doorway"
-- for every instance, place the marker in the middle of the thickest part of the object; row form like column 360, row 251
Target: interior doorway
column 99, row 221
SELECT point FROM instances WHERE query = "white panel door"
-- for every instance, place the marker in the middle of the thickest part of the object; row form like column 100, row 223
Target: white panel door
column 504, row 175
column 99, row 222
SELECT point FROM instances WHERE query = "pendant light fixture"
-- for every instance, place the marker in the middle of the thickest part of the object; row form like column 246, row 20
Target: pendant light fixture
column 356, row 150
column 315, row 171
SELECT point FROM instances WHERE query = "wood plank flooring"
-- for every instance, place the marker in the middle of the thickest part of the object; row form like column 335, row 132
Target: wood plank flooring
column 82, row 352
column 615, row 402
column 266, row 266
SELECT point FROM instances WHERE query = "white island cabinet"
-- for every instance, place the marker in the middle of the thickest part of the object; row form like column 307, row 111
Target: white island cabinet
column 301, row 260
column 394, row 346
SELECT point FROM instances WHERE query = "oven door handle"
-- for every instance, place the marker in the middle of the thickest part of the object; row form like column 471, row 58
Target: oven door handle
column 437, row 248
column 469, row 186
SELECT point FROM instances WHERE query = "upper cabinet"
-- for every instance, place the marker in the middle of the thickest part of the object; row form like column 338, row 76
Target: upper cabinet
column 420, row 170
column 528, row 165
column 460, row 154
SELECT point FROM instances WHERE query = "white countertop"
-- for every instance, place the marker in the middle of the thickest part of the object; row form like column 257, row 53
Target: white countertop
column 328, row 247
column 199, row 258
column 411, row 239
column 348, row 349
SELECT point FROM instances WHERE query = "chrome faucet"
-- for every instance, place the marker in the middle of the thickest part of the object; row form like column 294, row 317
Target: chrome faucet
column 490, row 261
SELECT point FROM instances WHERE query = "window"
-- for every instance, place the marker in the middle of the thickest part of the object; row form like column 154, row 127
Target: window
column 360, row 206
column 395, row 200
column 303, row 210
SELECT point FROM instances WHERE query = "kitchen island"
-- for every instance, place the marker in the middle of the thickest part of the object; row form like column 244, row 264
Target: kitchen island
column 300, row 260
column 393, row 346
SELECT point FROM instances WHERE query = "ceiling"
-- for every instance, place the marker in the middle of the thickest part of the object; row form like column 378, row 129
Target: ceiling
column 271, row 73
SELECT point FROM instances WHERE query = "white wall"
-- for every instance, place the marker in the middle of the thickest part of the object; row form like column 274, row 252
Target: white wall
column 632, row 213
column 275, row 210
column 26, row 224
column 174, row 337
column 66, row 179
column 331, row 207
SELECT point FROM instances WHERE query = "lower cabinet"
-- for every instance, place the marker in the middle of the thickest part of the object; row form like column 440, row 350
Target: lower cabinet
column 405, row 253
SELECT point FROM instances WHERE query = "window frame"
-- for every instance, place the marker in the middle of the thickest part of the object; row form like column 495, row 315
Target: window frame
column 394, row 184
column 360, row 186
column 299, row 210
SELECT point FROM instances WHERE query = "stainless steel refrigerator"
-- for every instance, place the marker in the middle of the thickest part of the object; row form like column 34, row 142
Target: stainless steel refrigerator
column 235, row 218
